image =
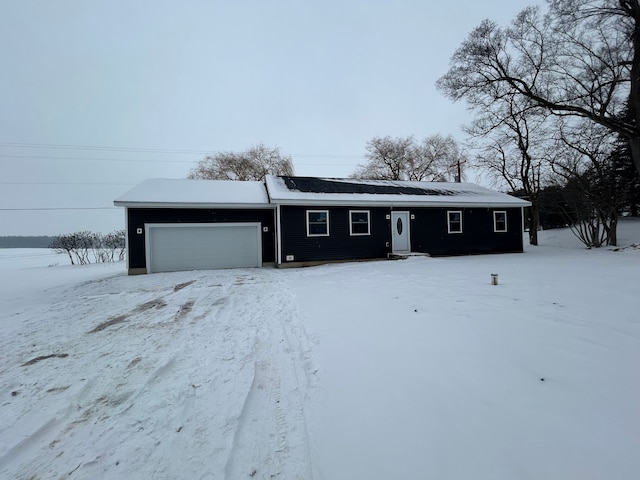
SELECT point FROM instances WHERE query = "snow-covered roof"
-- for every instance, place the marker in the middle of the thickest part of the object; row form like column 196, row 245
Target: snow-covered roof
column 326, row 191
column 163, row 192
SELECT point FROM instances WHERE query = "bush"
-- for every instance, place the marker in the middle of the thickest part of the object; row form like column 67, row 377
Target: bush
column 83, row 246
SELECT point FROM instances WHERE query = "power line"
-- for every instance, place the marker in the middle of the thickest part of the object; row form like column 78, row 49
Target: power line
column 69, row 183
column 151, row 150
column 185, row 162
column 91, row 159
column 38, row 209
column 99, row 148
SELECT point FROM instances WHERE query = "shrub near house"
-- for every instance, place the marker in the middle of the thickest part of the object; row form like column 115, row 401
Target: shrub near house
column 83, row 247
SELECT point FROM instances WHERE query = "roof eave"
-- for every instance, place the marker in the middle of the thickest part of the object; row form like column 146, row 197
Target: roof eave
column 407, row 204
column 129, row 204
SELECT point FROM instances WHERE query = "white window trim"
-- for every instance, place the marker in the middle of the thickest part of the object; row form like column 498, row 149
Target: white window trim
column 449, row 212
column 495, row 225
column 307, row 221
column 351, row 223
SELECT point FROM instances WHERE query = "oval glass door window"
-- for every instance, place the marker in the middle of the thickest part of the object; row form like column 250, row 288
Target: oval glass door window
column 399, row 226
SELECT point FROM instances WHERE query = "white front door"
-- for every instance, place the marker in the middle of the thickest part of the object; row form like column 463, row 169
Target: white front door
column 400, row 232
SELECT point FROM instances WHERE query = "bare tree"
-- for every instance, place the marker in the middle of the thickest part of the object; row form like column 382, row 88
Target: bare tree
column 252, row 164
column 64, row 244
column 114, row 243
column 435, row 158
column 594, row 193
column 511, row 139
column 387, row 158
column 75, row 245
column 581, row 58
column 440, row 159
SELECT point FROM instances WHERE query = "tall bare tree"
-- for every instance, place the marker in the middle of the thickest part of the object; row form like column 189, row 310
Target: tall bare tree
column 388, row 158
column 435, row 158
column 580, row 58
column 511, row 139
column 440, row 158
column 252, row 164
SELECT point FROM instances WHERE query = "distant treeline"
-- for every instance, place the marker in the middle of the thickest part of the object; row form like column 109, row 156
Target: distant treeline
column 25, row 242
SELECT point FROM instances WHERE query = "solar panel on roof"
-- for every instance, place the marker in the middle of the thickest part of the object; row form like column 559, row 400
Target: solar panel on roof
column 321, row 185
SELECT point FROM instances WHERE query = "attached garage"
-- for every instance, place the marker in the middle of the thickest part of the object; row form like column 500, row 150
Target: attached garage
column 175, row 247
column 174, row 225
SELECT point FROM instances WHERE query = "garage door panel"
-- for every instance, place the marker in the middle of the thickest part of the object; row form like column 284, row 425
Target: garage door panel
column 198, row 247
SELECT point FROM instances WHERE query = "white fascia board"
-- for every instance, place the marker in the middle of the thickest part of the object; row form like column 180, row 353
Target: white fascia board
column 126, row 237
column 265, row 206
column 327, row 203
column 278, row 237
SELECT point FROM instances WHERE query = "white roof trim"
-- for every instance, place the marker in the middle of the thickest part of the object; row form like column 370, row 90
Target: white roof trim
column 265, row 206
column 409, row 203
column 457, row 195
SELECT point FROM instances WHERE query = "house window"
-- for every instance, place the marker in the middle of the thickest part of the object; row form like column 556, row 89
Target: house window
column 454, row 220
column 499, row 221
column 317, row 223
column 359, row 222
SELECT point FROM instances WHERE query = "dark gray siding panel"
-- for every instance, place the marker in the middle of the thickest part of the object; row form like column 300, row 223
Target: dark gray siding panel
column 339, row 245
column 429, row 232
column 137, row 217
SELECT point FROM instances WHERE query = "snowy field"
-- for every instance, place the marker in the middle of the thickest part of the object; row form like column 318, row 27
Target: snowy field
column 404, row 369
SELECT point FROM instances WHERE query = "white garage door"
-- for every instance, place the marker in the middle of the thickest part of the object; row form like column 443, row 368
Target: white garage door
column 174, row 247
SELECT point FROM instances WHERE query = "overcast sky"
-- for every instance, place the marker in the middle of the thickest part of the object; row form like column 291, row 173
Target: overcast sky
column 99, row 95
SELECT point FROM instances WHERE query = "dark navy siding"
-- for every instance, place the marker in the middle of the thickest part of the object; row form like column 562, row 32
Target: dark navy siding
column 429, row 232
column 339, row 245
column 137, row 217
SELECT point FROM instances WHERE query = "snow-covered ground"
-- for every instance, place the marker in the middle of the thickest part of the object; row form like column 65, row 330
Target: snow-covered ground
column 415, row 368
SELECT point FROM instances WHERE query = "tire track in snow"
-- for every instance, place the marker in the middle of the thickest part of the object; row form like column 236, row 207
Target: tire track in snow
column 271, row 436
column 261, row 434
column 91, row 400
column 168, row 393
